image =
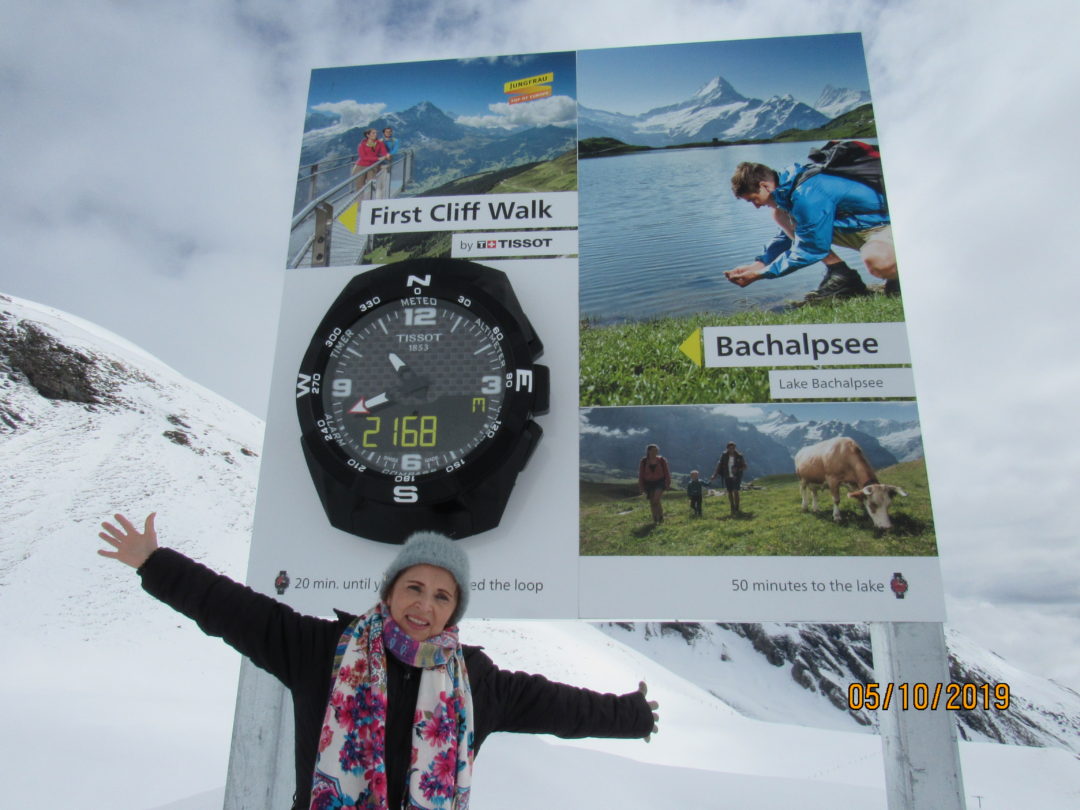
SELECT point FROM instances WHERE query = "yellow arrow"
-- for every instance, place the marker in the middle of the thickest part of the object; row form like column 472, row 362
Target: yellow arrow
column 691, row 347
column 349, row 215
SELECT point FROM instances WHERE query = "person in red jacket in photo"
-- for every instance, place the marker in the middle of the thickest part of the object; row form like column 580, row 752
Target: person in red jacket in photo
column 654, row 478
column 369, row 152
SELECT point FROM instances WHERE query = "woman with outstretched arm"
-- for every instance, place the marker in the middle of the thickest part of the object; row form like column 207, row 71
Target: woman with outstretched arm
column 389, row 707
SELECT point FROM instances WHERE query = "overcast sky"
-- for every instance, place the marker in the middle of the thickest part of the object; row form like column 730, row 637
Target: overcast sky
column 632, row 80
column 461, row 88
column 148, row 153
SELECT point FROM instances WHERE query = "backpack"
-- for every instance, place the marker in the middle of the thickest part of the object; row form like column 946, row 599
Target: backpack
column 854, row 160
column 664, row 471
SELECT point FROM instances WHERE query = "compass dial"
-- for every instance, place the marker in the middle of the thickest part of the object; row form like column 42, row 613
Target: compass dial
column 415, row 386
column 416, row 398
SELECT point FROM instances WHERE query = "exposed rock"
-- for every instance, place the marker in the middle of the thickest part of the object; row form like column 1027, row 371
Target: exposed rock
column 9, row 418
column 688, row 630
column 800, row 673
column 178, row 437
column 762, row 641
column 56, row 371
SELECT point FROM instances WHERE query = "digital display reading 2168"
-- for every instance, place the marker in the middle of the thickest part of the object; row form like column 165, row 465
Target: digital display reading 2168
column 414, row 387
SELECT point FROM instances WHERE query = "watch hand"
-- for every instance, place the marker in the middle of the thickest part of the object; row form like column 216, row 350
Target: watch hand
column 369, row 404
column 411, row 382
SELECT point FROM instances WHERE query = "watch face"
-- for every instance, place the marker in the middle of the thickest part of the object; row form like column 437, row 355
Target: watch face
column 418, row 384
column 414, row 386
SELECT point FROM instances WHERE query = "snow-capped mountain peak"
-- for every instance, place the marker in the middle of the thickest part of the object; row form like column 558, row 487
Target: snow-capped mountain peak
column 708, row 87
column 835, row 101
column 716, row 90
column 715, row 110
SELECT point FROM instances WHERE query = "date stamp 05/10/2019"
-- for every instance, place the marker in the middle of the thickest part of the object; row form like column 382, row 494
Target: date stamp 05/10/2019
column 928, row 697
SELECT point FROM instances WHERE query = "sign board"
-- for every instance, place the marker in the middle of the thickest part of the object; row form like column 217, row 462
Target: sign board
column 600, row 182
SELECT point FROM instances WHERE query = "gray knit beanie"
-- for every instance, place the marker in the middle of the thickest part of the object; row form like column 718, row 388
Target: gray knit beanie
column 430, row 548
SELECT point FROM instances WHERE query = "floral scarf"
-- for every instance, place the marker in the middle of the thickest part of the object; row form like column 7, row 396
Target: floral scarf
column 350, row 767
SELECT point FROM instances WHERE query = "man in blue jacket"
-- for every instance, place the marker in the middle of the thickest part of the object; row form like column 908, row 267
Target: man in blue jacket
column 390, row 141
column 820, row 211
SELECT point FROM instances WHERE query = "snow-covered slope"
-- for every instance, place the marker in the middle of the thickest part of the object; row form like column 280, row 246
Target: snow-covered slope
column 89, row 425
column 133, row 705
column 784, row 673
column 835, row 101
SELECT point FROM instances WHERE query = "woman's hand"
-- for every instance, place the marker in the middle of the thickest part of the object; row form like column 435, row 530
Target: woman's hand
column 654, row 707
column 132, row 546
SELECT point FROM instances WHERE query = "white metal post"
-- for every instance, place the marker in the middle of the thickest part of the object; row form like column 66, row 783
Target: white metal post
column 261, row 760
column 922, row 760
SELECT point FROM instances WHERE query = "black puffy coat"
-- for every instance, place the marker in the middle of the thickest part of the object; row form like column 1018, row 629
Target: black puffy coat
column 299, row 651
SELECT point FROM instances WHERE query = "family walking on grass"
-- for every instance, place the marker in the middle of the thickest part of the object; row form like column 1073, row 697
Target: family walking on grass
column 654, row 478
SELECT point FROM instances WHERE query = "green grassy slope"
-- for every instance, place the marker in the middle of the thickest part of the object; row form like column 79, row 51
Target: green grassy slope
column 615, row 520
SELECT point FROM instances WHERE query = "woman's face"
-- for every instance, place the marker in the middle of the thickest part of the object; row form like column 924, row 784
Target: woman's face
column 651, row 451
column 371, row 134
column 422, row 600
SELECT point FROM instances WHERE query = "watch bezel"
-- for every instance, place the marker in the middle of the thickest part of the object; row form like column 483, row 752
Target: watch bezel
column 450, row 281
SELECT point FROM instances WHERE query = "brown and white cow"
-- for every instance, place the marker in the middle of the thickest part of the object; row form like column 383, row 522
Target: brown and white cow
column 838, row 461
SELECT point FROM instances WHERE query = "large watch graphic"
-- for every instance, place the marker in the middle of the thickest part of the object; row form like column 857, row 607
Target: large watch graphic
column 416, row 397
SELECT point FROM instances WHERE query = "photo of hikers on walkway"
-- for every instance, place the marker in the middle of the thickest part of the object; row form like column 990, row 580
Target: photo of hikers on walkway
column 442, row 128
column 805, row 481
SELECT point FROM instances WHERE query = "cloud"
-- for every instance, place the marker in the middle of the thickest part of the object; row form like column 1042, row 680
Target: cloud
column 512, row 60
column 744, row 413
column 586, row 427
column 558, row 111
column 353, row 113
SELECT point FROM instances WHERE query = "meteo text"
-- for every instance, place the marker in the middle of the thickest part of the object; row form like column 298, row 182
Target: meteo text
column 804, row 346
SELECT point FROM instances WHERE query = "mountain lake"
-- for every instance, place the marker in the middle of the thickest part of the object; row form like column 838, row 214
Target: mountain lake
column 658, row 229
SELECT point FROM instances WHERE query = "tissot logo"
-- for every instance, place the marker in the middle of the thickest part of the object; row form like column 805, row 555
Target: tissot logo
column 516, row 243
